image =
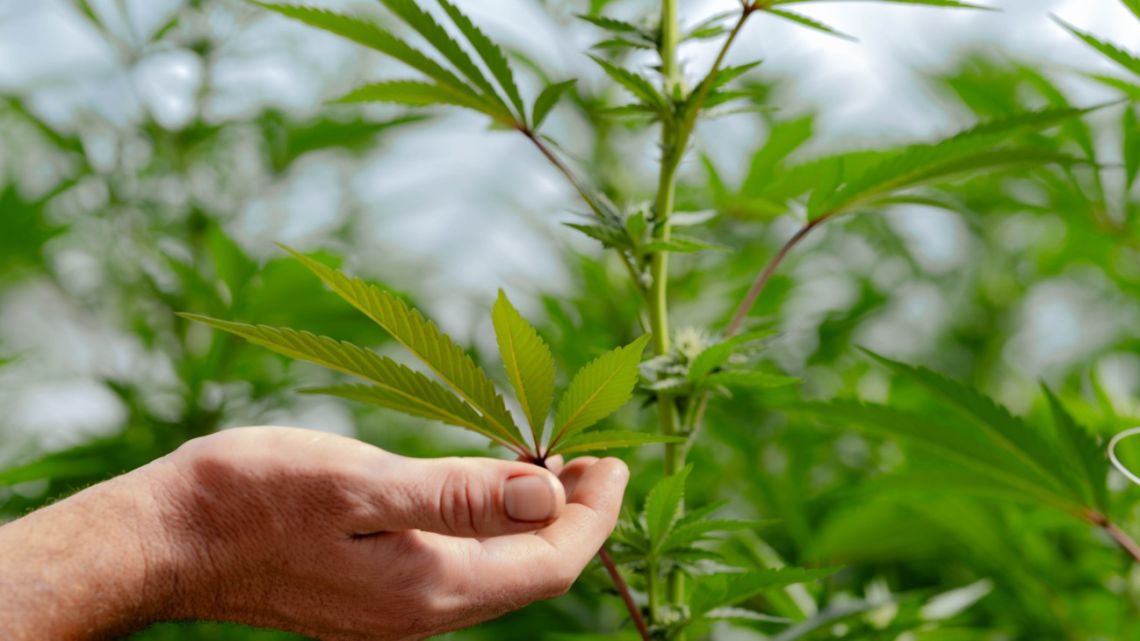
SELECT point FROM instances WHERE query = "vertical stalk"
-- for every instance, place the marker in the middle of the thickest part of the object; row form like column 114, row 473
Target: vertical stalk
column 671, row 152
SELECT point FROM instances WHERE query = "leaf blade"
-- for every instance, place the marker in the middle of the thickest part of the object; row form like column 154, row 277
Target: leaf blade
column 528, row 361
column 599, row 389
column 423, row 339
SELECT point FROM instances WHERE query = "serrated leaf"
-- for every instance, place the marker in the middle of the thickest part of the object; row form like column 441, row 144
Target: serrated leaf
column 637, row 84
column 710, row 27
column 610, row 236
column 966, row 151
column 608, row 440
column 405, row 389
column 728, row 74
column 1133, row 6
column 664, row 505
column 810, row 23
column 424, row 24
column 415, row 93
column 684, row 535
column 1125, row 59
column 547, row 100
column 528, row 361
column 1130, row 129
column 1006, row 431
column 961, row 443
column 680, row 244
column 429, row 400
column 376, row 37
column 749, row 380
column 610, row 24
column 491, row 55
column 1083, row 454
column 723, row 590
column 718, row 354
column 599, row 389
column 423, row 339
column 783, row 138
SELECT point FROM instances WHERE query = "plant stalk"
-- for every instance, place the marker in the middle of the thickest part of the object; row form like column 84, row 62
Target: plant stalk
column 626, row 596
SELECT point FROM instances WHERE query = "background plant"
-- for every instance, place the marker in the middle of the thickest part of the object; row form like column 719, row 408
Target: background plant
column 904, row 523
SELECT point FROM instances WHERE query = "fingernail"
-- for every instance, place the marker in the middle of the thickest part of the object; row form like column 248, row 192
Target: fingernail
column 529, row 498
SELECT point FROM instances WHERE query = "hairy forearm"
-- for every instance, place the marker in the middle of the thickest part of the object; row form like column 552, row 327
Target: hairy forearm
column 93, row 566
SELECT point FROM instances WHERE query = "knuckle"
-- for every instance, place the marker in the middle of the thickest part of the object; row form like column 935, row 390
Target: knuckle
column 463, row 503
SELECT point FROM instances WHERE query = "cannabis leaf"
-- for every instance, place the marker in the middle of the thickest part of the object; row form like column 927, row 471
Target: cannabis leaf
column 422, row 338
column 528, row 361
column 721, row 590
column 608, row 440
column 394, row 386
column 664, row 504
column 638, row 85
column 1114, row 53
column 991, row 448
column 970, row 151
column 547, row 100
column 472, row 402
column 463, row 84
column 598, row 390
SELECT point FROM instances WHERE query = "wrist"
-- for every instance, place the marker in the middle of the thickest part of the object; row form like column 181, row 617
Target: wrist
column 95, row 565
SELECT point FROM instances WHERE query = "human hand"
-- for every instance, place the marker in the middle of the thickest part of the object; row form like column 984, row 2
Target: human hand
column 330, row 537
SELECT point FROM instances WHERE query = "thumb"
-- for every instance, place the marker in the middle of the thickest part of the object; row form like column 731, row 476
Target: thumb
column 473, row 497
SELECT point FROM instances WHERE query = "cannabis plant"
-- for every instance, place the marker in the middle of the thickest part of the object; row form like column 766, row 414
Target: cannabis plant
column 671, row 583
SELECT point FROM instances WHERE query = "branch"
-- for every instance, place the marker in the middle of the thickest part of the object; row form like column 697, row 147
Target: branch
column 626, row 596
column 745, row 306
column 589, row 199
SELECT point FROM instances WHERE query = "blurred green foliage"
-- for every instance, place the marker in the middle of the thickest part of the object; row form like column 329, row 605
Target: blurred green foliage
column 1047, row 268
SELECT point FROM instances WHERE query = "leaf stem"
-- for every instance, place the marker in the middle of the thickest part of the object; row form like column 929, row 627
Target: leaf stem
column 626, row 595
column 745, row 306
column 589, row 199
column 1121, row 537
column 1127, row 543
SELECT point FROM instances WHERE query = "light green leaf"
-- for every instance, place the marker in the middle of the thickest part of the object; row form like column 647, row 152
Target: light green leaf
column 599, row 389
column 681, row 244
column 406, row 390
column 1114, row 53
column 749, row 380
column 415, row 93
column 425, row 25
column 1083, row 455
column 1007, row 432
column 421, row 337
column 420, row 397
column 1133, row 6
column 722, row 590
column 970, row 150
column 529, row 364
column 664, row 505
column 957, row 441
column 637, row 84
column 376, row 37
column 686, row 534
column 743, row 615
column 718, row 354
column 810, row 23
column 547, row 100
column 1130, row 129
column 610, row 24
column 491, row 54
column 609, row 440
column 728, row 74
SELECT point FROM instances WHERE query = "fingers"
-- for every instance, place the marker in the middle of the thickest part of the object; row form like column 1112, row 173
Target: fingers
column 546, row 563
column 571, row 473
column 469, row 497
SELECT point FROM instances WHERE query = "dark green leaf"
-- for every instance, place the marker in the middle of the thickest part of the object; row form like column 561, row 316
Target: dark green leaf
column 547, row 100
